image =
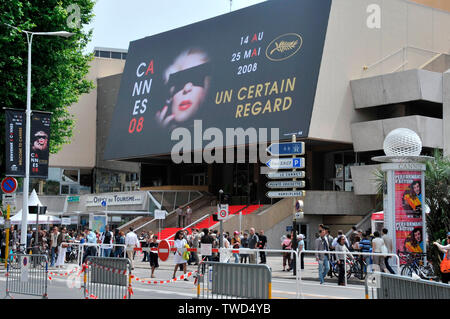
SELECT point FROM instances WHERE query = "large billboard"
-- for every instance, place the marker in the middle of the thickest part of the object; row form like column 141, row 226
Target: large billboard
column 252, row 68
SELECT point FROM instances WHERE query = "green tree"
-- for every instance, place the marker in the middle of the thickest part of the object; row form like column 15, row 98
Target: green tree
column 59, row 65
column 437, row 191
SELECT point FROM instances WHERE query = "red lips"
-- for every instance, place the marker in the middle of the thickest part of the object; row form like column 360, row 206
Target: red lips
column 184, row 105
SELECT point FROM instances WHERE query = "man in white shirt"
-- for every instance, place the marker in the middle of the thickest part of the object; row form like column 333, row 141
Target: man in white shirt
column 131, row 241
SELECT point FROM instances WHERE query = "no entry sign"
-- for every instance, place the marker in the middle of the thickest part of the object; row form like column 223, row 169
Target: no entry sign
column 9, row 185
column 163, row 250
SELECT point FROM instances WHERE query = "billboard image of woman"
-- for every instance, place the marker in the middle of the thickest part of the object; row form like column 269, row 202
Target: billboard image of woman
column 187, row 80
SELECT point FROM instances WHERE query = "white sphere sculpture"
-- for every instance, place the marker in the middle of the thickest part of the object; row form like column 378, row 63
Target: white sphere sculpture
column 402, row 142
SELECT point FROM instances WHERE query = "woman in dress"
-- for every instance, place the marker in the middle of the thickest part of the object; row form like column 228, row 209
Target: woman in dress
column 180, row 244
column 62, row 248
column 341, row 247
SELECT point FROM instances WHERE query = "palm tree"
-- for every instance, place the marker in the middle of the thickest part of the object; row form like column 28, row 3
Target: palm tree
column 437, row 190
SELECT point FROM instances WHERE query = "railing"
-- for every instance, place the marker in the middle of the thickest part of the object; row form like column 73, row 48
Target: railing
column 405, row 62
column 228, row 280
column 160, row 205
column 387, row 286
column 27, row 275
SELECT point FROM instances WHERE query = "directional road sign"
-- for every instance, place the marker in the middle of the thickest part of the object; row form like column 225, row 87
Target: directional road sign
column 293, row 148
column 286, row 175
column 279, row 163
column 286, row 184
column 283, row 194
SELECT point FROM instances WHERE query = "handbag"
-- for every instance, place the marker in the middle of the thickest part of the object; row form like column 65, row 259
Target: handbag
column 445, row 264
column 384, row 250
column 186, row 253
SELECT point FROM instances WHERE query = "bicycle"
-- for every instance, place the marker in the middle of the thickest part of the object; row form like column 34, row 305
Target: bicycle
column 414, row 263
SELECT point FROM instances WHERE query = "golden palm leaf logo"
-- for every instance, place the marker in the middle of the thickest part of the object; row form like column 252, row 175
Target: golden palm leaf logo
column 283, row 46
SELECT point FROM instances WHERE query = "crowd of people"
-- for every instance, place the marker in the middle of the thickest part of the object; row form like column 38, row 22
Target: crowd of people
column 58, row 244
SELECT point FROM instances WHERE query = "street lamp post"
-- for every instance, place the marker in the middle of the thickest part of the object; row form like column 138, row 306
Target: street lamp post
column 26, row 180
column 221, row 221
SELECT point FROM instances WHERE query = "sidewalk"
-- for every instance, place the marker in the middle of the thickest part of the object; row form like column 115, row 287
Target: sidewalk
column 165, row 271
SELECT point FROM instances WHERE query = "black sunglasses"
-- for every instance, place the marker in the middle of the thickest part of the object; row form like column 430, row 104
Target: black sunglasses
column 195, row 75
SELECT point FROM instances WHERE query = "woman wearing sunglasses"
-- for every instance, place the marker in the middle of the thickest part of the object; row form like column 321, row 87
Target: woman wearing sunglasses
column 188, row 80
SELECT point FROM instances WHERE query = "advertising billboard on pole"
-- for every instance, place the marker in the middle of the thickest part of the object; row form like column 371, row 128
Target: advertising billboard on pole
column 39, row 149
column 15, row 142
column 409, row 232
column 252, row 68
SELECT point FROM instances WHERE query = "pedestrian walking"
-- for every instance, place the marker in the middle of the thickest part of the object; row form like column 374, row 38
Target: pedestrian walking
column 196, row 237
column 153, row 255
column 253, row 240
column 189, row 215
column 244, row 244
column 131, row 242
column 262, row 245
column 179, row 212
column 180, row 259
column 388, row 243
column 62, row 248
column 301, row 247
column 341, row 258
column 54, row 245
column 322, row 244
column 236, row 244
column 120, row 240
column 377, row 244
column 445, row 263
column 107, row 240
column 286, row 245
column 91, row 241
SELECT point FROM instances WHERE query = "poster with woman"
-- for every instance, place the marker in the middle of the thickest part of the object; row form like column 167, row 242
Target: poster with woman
column 408, row 211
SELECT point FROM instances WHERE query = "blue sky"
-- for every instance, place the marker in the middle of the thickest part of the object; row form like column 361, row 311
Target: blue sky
column 117, row 22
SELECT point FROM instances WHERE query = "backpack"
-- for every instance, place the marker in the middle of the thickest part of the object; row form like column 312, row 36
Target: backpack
column 445, row 264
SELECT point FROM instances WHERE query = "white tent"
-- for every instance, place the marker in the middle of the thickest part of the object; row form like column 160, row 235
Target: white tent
column 33, row 200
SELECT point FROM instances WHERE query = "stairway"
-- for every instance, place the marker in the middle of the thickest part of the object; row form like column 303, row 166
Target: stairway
column 209, row 222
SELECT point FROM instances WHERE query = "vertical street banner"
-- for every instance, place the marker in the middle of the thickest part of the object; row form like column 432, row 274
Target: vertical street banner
column 408, row 211
column 39, row 148
column 15, row 142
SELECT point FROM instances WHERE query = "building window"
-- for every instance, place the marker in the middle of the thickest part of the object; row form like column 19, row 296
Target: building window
column 105, row 54
column 116, row 55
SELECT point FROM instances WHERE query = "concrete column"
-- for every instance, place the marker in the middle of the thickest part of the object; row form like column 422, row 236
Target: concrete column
column 446, row 112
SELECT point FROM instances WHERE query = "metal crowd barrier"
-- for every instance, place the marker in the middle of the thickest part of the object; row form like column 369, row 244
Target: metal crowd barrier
column 107, row 278
column 27, row 275
column 387, row 286
column 230, row 280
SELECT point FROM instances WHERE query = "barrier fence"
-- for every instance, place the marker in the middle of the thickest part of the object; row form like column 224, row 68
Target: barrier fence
column 230, row 280
column 387, row 286
column 107, row 278
column 27, row 275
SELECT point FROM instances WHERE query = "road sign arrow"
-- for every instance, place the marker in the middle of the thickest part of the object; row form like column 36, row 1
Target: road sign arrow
column 293, row 148
column 286, row 175
column 279, row 163
column 286, row 184
column 283, row 194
